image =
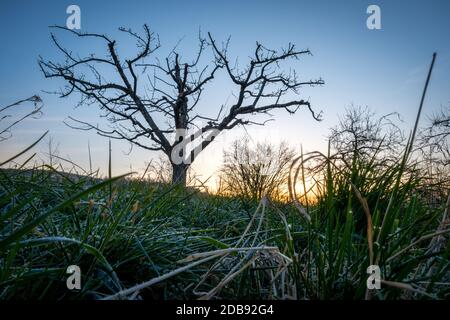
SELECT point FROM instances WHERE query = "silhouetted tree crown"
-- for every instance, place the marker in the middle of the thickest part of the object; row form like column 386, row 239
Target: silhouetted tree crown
column 152, row 100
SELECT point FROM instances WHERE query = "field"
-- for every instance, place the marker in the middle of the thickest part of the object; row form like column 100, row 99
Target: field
column 136, row 239
column 267, row 171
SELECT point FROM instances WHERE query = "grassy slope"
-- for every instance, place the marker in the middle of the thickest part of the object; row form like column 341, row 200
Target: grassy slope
column 136, row 231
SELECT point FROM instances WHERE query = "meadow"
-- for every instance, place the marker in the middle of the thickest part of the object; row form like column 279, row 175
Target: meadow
column 134, row 238
column 356, row 211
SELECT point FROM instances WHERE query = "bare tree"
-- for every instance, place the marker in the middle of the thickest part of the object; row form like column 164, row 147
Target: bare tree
column 361, row 133
column 252, row 171
column 149, row 113
column 433, row 148
column 363, row 145
column 159, row 170
column 435, row 137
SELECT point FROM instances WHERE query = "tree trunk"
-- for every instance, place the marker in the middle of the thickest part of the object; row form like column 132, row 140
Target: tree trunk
column 179, row 172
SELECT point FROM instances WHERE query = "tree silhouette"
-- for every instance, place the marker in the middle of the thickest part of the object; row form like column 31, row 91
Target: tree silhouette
column 254, row 171
column 436, row 135
column 152, row 102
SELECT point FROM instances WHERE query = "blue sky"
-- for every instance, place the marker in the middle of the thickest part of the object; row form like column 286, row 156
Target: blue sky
column 383, row 69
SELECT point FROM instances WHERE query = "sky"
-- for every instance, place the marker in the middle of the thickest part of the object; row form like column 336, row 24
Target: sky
column 383, row 69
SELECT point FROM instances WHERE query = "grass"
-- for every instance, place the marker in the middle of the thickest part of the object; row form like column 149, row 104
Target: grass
column 135, row 239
